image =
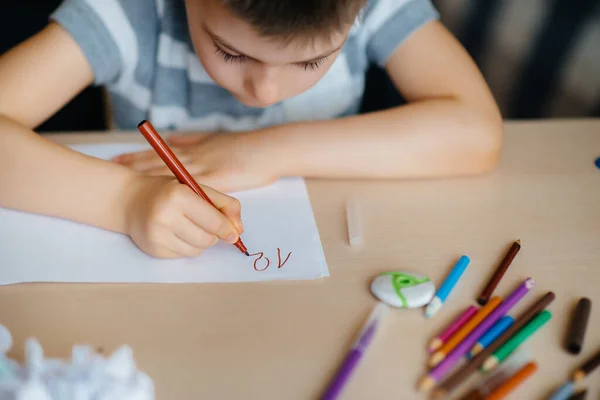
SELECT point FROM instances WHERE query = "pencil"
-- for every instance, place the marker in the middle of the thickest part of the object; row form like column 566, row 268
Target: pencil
column 460, row 375
column 519, row 338
column 444, row 291
column 499, row 273
column 503, row 324
column 463, row 332
column 513, row 382
column 578, row 325
column 587, row 368
column 452, row 328
column 184, row 177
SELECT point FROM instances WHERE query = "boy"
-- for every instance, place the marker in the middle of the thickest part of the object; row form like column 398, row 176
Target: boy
column 282, row 77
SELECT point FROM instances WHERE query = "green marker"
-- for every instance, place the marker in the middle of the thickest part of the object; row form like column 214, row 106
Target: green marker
column 511, row 345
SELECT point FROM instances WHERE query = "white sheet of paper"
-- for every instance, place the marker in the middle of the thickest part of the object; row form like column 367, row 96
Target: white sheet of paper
column 36, row 248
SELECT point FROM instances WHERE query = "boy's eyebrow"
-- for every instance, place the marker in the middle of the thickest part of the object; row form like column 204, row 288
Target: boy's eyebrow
column 224, row 43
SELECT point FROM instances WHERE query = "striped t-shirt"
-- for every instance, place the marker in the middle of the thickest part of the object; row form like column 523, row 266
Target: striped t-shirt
column 141, row 51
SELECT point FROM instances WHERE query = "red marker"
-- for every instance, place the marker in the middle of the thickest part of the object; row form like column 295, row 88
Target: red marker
column 165, row 153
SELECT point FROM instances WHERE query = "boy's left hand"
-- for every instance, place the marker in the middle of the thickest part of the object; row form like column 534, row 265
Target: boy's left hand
column 226, row 162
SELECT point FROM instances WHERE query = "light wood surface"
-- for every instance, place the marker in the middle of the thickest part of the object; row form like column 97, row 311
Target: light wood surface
column 284, row 340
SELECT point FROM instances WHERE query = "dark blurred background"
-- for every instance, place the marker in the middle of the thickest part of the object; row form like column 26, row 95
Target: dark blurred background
column 541, row 58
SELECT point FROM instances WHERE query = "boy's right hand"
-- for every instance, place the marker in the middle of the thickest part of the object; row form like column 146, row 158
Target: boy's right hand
column 167, row 219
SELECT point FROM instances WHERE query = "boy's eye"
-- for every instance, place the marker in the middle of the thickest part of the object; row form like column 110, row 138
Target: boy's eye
column 312, row 65
column 232, row 58
column 228, row 57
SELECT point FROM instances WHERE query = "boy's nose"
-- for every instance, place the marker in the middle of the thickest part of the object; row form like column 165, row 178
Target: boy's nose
column 265, row 88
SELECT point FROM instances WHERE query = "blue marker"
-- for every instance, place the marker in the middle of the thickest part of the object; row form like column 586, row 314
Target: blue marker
column 563, row 392
column 442, row 294
column 598, row 162
column 491, row 334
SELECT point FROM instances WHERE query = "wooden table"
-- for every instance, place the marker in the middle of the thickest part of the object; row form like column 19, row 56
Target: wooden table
column 284, row 340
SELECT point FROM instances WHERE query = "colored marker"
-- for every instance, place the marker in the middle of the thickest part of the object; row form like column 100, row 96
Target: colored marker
column 442, row 294
column 438, row 373
column 465, row 331
column 356, row 353
column 587, row 368
column 513, row 382
column 463, row 373
column 581, row 395
column 170, row 159
column 511, row 345
column 578, row 325
column 496, row 379
column 451, row 329
column 492, row 334
column 499, row 273
column 563, row 392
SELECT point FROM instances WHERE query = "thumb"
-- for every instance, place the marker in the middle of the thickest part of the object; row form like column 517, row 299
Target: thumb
column 185, row 140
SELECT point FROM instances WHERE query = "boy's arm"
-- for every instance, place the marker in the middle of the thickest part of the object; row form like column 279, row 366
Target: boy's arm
column 37, row 78
column 41, row 75
column 163, row 217
column 450, row 126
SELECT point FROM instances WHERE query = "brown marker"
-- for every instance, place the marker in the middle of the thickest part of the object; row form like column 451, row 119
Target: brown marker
column 587, row 368
column 485, row 295
column 578, row 326
column 169, row 158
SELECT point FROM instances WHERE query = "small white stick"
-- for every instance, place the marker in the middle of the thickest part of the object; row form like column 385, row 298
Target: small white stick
column 354, row 223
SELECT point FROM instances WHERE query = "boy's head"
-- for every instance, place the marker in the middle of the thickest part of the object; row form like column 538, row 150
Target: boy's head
column 264, row 51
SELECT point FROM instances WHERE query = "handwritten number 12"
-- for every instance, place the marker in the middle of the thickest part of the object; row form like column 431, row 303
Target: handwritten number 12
column 268, row 262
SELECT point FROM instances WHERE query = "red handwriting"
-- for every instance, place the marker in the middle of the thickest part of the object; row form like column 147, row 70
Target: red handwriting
column 279, row 258
column 261, row 254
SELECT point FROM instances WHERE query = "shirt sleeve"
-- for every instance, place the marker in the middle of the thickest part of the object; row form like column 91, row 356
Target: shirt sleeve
column 87, row 25
column 388, row 23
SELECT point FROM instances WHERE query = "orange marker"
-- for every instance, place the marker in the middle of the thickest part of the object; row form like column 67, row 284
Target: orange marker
column 513, row 382
column 459, row 336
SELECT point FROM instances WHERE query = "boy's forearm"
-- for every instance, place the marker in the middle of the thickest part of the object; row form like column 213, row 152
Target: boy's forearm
column 432, row 138
column 42, row 177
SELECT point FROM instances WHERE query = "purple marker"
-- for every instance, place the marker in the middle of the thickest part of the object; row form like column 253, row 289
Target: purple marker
column 459, row 351
column 356, row 353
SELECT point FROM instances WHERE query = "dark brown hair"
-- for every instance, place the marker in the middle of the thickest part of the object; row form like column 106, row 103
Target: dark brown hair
column 290, row 18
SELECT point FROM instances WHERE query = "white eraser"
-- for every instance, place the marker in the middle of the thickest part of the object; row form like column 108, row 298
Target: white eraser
column 355, row 236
